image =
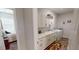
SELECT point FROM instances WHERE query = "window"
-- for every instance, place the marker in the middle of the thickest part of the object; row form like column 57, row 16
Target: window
column 7, row 20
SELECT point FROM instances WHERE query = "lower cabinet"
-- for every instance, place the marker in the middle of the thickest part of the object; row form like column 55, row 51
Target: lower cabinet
column 42, row 43
column 51, row 38
column 45, row 41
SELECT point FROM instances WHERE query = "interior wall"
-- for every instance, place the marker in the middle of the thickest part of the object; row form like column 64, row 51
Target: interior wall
column 67, row 26
column 43, row 21
column 78, row 36
column 35, row 26
column 77, row 27
column 69, row 30
column 26, row 28
column 31, row 30
column 19, row 25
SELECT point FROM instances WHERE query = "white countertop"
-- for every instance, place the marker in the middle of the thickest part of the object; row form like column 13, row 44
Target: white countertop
column 44, row 34
column 47, row 33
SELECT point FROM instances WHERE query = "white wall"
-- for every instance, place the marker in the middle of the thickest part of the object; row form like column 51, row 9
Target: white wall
column 26, row 27
column 77, row 27
column 67, row 26
column 30, row 16
column 69, row 29
column 35, row 26
column 19, row 23
column 43, row 21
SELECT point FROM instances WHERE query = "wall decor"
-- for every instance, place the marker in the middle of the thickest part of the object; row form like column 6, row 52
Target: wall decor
column 68, row 21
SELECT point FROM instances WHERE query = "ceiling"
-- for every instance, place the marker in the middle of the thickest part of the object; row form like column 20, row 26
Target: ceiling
column 59, row 10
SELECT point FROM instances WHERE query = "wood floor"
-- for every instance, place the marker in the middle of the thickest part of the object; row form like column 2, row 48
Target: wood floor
column 60, row 44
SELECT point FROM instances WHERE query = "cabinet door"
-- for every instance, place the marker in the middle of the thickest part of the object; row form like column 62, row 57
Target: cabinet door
column 42, row 43
column 39, row 45
column 51, row 39
column 45, row 42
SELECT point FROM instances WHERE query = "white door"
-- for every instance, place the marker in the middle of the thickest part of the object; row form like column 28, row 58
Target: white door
column 2, row 46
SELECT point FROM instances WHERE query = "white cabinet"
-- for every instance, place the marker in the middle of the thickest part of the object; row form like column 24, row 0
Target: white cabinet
column 58, row 35
column 42, row 43
column 45, row 39
column 51, row 38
